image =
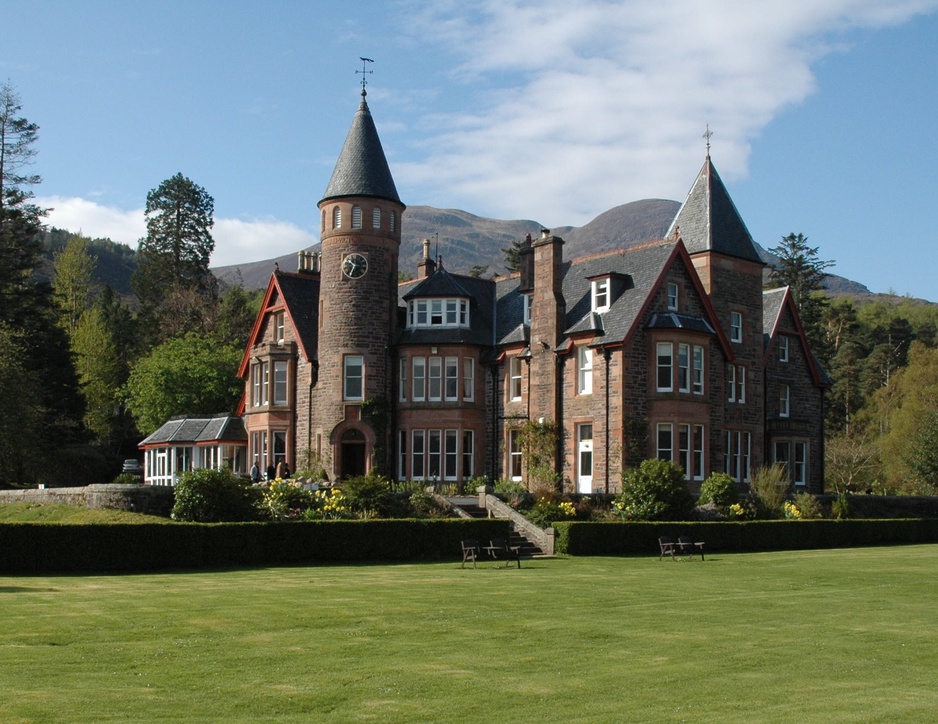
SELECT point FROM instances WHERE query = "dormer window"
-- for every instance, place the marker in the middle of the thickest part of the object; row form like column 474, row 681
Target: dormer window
column 672, row 297
column 601, row 294
column 278, row 327
column 437, row 313
column 783, row 348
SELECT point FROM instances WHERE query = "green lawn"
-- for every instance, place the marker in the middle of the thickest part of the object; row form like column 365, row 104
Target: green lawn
column 805, row 636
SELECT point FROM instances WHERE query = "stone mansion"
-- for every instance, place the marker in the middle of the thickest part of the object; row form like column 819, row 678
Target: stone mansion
column 668, row 349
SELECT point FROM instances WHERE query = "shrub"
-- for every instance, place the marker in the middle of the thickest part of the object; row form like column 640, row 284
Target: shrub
column 807, row 504
column 719, row 489
column 368, row 495
column 654, row 491
column 126, row 479
column 547, row 510
column 213, row 496
column 840, row 507
column 769, row 489
column 285, row 499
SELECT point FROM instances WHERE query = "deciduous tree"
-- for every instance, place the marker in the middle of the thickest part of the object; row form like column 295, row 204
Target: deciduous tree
column 186, row 375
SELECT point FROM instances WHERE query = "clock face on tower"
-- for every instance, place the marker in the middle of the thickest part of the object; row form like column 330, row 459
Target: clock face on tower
column 354, row 266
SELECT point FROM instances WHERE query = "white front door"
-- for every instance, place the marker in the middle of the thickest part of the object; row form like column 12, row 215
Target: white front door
column 584, row 434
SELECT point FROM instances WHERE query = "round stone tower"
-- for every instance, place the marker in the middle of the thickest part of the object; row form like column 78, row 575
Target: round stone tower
column 361, row 236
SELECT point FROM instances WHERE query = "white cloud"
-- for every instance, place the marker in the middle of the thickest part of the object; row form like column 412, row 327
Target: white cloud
column 598, row 103
column 236, row 241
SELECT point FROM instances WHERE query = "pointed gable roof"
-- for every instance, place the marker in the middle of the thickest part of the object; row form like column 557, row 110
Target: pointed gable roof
column 362, row 169
column 708, row 219
column 298, row 296
column 775, row 303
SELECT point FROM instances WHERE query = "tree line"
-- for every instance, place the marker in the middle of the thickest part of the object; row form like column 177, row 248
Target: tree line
column 90, row 371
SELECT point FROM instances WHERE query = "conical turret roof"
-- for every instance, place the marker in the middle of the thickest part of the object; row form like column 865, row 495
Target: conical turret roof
column 362, row 169
column 708, row 219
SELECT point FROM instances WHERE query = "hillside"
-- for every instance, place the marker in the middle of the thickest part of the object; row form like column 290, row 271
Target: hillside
column 465, row 241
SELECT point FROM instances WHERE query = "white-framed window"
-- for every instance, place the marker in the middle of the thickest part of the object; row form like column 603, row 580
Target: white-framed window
column 402, row 382
column 336, row 217
column 280, row 382
column 784, row 400
column 356, row 217
column 528, row 301
column 665, row 441
column 418, row 454
column 793, row 456
column 376, row 218
column 354, row 378
column 437, row 313
column 420, row 379
column 451, row 370
column 600, row 294
column 584, row 378
column 683, row 450
column 736, row 455
column 450, row 454
column 672, row 297
column 736, row 383
column 698, row 370
column 782, row 348
column 514, row 378
column 402, row 455
column 468, row 379
column 468, row 453
column 434, row 453
column 736, row 327
column 256, row 383
column 435, row 379
column 683, row 367
column 265, row 382
column 514, row 454
column 278, row 326
column 279, row 440
column 698, row 452
column 665, row 367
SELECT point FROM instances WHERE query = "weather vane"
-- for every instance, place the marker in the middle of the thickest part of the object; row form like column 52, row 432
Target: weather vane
column 707, row 135
column 364, row 72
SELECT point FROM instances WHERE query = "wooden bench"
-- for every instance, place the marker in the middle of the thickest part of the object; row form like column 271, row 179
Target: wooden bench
column 499, row 549
column 683, row 546
column 470, row 551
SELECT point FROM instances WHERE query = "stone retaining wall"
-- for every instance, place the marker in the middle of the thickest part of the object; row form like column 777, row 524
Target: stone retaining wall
column 150, row 499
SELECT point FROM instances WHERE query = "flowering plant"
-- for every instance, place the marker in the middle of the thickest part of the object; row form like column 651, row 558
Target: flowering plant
column 792, row 511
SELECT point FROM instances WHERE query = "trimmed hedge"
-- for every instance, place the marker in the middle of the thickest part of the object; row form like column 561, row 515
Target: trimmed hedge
column 602, row 539
column 45, row 547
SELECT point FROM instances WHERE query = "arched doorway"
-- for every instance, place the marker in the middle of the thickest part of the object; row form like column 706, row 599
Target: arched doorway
column 352, row 453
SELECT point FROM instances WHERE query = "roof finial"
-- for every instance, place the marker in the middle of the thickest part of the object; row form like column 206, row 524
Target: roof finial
column 364, row 73
column 707, row 135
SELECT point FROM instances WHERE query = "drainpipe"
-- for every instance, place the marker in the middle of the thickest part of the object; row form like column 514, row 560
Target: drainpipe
column 607, row 355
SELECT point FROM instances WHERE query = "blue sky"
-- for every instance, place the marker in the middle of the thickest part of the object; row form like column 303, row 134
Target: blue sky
column 823, row 113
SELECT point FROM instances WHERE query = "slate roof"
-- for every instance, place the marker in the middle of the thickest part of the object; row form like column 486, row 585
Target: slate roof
column 442, row 283
column 362, row 169
column 301, row 297
column 206, row 429
column 708, row 219
column 639, row 269
column 772, row 302
column 643, row 266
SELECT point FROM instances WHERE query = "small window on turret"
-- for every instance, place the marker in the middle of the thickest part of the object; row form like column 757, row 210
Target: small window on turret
column 393, row 221
column 356, row 217
column 376, row 219
column 337, row 217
